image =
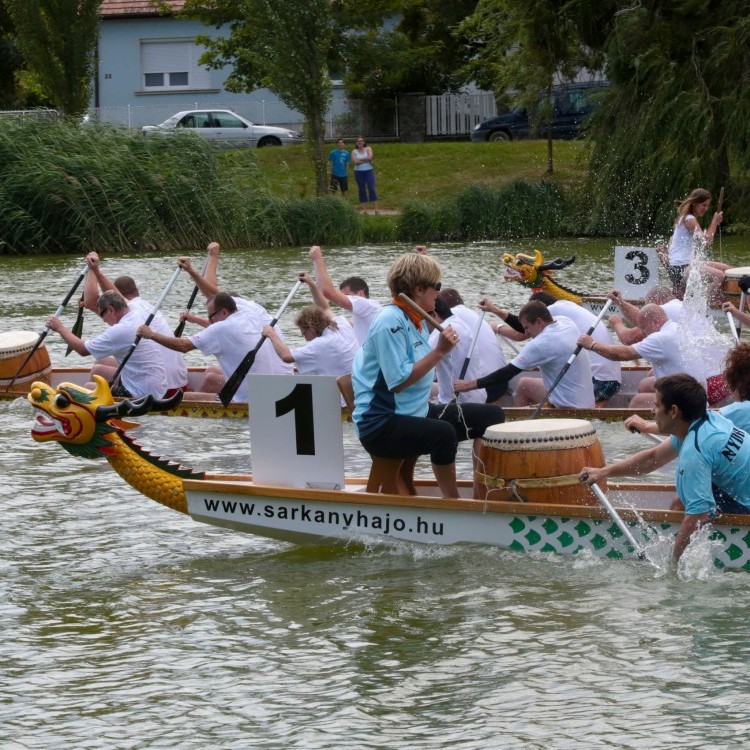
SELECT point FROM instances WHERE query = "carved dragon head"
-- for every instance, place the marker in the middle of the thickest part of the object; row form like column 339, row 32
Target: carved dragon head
column 529, row 270
column 84, row 421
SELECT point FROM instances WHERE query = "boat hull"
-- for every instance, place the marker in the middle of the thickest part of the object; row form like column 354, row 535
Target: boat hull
column 344, row 517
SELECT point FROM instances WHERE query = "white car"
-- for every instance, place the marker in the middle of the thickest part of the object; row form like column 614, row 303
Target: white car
column 224, row 125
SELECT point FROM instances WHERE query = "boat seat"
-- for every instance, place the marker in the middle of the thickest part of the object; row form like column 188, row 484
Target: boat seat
column 393, row 476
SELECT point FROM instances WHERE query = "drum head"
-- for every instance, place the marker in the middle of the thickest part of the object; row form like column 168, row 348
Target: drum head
column 16, row 342
column 737, row 273
column 540, row 434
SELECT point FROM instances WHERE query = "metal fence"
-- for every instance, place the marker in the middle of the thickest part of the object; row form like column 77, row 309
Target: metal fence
column 457, row 114
column 445, row 115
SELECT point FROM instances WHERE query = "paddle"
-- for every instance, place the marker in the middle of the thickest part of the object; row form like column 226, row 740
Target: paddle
column 226, row 394
column 721, row 253
column 570, row 361
column 77, row 329
column 467, row 360
column 147, row 322
column 45, row 332
column 181, row 325
column 420, row 311
column 615, row 516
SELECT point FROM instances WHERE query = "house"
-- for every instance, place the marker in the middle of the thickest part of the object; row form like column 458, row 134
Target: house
column 147, row 69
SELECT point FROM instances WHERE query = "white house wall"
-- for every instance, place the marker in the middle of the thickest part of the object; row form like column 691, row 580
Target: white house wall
column 122, row 98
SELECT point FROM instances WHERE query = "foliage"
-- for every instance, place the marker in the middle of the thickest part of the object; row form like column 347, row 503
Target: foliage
column 318, row 221
column 521, row 209
column 520, row 46
column 64, row 187
column 677, row 113
column 57, row 39
column 409, row 46
column 282, row 45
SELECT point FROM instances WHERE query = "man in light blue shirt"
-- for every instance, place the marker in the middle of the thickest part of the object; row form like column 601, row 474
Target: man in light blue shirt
column 710, row 451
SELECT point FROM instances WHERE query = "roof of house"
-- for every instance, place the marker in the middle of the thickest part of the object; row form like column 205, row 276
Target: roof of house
column 111, row 8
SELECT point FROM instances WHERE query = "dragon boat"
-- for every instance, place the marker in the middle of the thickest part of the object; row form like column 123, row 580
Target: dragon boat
column 616, row 409
column 537, row 509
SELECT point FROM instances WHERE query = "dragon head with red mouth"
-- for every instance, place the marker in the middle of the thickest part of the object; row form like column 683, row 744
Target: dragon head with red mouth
column 85, row 422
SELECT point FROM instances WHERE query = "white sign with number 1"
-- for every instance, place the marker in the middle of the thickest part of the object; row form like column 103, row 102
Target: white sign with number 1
column 295, row 431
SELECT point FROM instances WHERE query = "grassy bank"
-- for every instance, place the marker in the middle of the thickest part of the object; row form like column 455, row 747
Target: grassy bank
column 432, row 173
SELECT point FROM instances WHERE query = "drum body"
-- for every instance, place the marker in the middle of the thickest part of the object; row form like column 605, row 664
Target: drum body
column 539, row 461
column 730, row 285
column 15, row 347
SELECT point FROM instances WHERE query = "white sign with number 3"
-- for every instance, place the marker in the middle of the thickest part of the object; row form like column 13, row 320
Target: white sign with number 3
column 636, row 271
column 295, row 431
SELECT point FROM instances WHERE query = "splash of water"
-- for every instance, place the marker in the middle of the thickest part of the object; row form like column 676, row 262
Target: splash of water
column 703, row 347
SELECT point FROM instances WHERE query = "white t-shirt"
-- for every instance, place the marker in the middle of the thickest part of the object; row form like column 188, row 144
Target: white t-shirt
column 673, row 309
column 601, row 368
column 174, row 362
column 662, row 350
column 143, row 373
column 331, row 353
column 681, row 250
column 229, row 340
column 487, row 348
column 449, row 367
column 364, row 311
column 550, row 351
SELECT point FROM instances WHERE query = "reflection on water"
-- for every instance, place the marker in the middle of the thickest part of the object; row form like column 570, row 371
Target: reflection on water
column 127, row 625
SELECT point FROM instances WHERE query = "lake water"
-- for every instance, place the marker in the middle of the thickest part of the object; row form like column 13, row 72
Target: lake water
column 126, row 625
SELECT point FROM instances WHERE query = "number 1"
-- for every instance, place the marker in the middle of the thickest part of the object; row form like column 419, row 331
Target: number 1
column 300, row 402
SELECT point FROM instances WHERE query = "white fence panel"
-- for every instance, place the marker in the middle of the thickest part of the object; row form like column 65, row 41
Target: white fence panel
column 457, row 114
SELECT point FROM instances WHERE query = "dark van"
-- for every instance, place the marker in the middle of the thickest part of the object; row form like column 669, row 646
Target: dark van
column 573, row 103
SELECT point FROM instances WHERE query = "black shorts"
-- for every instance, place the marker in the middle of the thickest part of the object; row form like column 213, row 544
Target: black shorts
column 437, row 434
column 677, row 276
column 339, row 183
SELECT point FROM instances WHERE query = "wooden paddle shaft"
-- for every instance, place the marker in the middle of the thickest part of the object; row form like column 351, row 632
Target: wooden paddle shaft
column 721, row 200
column 421, row 312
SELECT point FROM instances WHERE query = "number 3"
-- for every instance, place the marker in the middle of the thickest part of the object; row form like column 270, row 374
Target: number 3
column 641, row 265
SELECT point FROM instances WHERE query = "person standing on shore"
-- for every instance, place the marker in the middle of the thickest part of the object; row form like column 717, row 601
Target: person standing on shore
column 340, row 159
column 364, row 174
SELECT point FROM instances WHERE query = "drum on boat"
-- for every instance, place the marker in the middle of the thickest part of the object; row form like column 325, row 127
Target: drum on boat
column 539, row 461
column 14, row 348
column 730, row 285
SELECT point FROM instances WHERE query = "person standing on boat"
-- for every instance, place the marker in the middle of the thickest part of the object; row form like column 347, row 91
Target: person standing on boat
column 710, row 449
column 553, row 341
column 392, row 376
column 174, row 363
column 687, row 231
column 143, row 373
column 230, row 334
column 352, row 294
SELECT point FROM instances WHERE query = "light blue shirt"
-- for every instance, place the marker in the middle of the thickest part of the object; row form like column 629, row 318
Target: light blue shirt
column 714, row 451
column 385, row 360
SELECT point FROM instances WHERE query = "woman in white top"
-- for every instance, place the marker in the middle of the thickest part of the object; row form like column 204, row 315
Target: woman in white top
column 681, row 249
column 364, row 174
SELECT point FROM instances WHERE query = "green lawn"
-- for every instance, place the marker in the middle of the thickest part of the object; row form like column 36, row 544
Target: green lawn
column 430, row 172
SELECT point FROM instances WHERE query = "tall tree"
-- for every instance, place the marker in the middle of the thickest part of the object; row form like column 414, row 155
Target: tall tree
column 57, row 39
column 519, row 48
column 677, row 114
column 282, row 45
column 405, row 46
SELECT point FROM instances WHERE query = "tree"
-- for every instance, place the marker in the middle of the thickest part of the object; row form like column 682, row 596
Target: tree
column 677, row 113
column 282, row 45
column 519, row 48
column 405, row 46
column 57, row 39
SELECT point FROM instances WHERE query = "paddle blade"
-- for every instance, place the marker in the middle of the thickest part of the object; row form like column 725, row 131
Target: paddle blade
column 179, row 330
column 226, row 394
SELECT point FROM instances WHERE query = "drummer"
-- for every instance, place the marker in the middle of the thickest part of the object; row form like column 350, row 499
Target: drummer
column 710, row 450
column 743, row 316
column 392, row 376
